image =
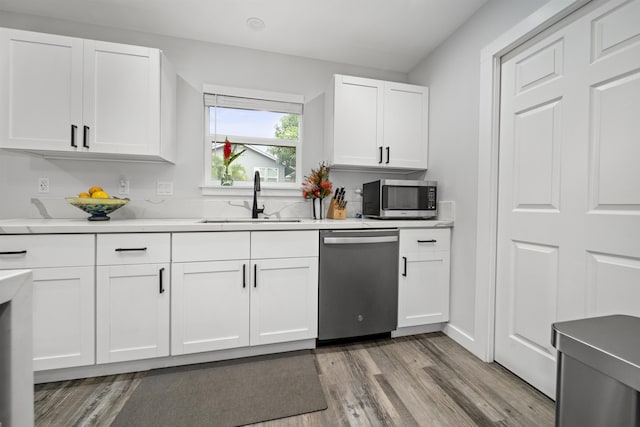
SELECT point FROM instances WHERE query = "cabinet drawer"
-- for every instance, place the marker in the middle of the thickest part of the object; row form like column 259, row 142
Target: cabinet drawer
column 284, row 244
column 46, row 250
column 217, row 246
column 424, row 240
column 134, row 248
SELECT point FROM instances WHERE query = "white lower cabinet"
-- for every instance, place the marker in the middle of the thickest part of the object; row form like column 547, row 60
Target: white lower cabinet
column 235, row 289
column 209, row 306
column 133, row 296
column 284, row 300
column 63, row 295
column 423, row 287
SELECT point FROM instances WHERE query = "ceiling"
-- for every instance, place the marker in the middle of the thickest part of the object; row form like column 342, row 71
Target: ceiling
column 383, row 34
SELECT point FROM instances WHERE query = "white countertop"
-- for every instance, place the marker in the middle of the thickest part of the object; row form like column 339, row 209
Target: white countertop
column 54, row 226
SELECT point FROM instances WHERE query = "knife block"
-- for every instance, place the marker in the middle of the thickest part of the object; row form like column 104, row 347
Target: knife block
column 335, row 212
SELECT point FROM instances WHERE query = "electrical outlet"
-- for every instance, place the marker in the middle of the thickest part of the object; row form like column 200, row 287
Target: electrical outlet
column 43, row 185
column 164, row 188
column 123, row 187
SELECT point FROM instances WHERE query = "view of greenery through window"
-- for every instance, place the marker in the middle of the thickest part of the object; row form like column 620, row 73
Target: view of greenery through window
column 258, row 133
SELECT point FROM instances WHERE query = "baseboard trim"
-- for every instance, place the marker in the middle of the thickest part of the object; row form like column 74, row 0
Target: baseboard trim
column 414, row 330
column 462, row 338
column 166, row 362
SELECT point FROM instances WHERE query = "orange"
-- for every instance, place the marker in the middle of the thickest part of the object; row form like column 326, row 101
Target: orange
column 94, row 189
column 99, row 195
column 84, row 195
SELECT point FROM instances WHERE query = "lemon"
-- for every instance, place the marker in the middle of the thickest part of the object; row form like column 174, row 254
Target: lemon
column 99, row 195
column 95, row 189
column 84, row 195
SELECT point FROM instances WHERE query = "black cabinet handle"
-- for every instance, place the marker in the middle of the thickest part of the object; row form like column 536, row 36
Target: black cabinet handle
column 160, row 279
column 73, row 135
column 244, row 275
column 388, row 151
column 404, row 258
column 14, row 252
column 85, row 138
column 427, row 241
column 380, row 161
column 130, row 249
column 255, row 275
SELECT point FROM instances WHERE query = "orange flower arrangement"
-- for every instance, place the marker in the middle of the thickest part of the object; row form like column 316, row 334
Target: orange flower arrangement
column 317, row 185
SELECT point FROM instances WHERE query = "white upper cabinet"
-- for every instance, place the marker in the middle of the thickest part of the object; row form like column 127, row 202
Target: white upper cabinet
column 376, row 124
column 67, row 97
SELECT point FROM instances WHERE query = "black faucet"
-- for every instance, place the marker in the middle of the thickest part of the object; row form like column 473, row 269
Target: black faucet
column 256, row 189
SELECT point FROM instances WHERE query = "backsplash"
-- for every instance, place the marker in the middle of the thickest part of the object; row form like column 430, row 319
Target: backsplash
column 57, row 208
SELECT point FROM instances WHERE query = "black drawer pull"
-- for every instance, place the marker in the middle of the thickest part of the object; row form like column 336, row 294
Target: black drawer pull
column 255, row 275
column 404, row 258
column 14, row 252
column 380, row 161
column 244, row 275
column 428, row 241
column 388, row 156
column 160, row 280
column 85, row 137
column 130, row 249
column 73, row 135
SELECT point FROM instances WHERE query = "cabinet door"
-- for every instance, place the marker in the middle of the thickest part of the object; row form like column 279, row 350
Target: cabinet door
column 423, row 289
column 63, row 317
column 41, row 88
column 132, row 312
column 121, row 98
column 284, row 300
column 357, row 121
column 209, row 306
column 405, row 125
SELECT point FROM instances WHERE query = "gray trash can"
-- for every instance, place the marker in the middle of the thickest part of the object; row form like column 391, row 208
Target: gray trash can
column 598, row 379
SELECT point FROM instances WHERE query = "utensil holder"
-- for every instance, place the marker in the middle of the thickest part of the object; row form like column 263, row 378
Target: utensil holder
column 336, row 212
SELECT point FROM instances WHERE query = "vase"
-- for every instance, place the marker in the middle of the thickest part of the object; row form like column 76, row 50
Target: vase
column 226, row 180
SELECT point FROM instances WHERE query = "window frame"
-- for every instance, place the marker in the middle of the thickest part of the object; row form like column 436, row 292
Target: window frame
column 213, row 187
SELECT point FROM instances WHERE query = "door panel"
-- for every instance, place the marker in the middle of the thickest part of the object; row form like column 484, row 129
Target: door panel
column 569, row 188
column 43, row 84
column 209, row 306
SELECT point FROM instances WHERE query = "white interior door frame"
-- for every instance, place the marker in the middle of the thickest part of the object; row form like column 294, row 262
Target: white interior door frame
column 488, row 151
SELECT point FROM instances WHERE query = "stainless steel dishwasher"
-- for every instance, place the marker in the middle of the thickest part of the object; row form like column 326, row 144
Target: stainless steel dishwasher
column 358, row 283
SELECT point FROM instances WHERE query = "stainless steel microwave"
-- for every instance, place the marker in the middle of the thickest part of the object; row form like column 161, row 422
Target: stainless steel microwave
column 399, row 199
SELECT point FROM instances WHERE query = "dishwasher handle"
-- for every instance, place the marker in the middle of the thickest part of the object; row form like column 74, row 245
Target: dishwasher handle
column 359, row 240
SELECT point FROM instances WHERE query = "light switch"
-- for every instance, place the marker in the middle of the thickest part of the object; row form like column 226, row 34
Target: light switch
column 164, row 188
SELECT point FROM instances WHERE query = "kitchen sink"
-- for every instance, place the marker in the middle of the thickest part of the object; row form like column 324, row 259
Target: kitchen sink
column 249, row 220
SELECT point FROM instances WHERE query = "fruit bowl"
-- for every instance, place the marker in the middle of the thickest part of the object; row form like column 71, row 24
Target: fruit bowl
column 98, row 208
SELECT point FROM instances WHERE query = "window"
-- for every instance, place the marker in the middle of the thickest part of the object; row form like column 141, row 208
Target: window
column 265, row 127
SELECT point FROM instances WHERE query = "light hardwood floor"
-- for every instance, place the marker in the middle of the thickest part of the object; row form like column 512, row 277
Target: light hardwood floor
column 422, row 380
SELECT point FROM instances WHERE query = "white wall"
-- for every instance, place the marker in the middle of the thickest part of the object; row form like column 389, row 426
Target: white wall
column 452, row 73
column 196, row 63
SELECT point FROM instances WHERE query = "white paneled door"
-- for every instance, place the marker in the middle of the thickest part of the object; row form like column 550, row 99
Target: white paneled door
column 569, row 190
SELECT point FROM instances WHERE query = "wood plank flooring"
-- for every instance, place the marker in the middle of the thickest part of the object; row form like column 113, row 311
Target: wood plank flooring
column 421, row 380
